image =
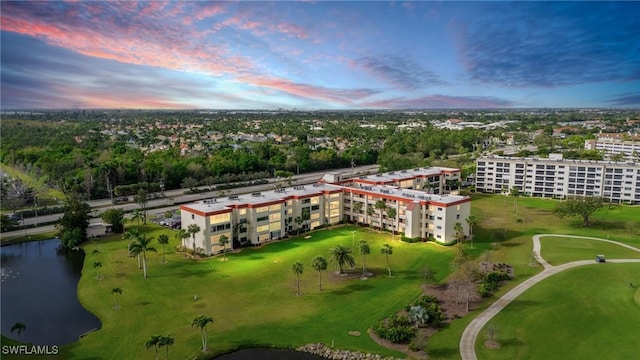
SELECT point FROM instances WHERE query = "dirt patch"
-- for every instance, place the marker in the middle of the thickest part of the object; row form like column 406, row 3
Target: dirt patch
column 490, row 344
column 354, row 333
column 456, row 299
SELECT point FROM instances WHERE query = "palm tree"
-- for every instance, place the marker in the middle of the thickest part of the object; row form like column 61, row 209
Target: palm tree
column 459, row 232
column 365, row 250
column 166, row 341
column 163, row 239
column 387, row 250
column 357, row 206
column 297, row 269
column 181, row 235
column 471, row 221
column 141, row 246
column 153, row 341
column 342, row 256
column 369, row 215
column 391, row 213
column 19, row 327
column 132, row 235
column 515, row 192
column 193, row 229
column 201, row 322
column 116, row 292
column 299, row 220
column 381, row 206
column 137, row 215
column 319, row 264
column 97, row 265
column 223, row 241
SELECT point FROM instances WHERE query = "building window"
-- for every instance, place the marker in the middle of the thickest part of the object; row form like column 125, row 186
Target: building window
column 193, row 217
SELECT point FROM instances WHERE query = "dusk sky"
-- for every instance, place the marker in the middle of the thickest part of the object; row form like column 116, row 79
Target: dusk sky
column 319, row 55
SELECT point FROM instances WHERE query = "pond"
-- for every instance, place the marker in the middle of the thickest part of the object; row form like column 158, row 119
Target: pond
column 39, row 289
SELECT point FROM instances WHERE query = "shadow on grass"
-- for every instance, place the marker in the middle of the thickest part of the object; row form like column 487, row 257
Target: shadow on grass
column 513, row 342
column 443, row 353
column 356, row 286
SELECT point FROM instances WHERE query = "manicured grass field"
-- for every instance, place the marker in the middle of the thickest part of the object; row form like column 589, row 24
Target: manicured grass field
column 497, row 214
column 251, row 297
column 560, row 250
column 582, row 313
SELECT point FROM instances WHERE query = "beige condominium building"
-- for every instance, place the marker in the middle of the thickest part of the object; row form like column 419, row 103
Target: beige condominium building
column 257, row 218
column 555, row 177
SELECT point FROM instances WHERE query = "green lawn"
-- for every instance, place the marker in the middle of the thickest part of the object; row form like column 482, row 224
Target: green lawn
column 498, row 214
column 251, row 296
column 560, row 250
column 582, row 313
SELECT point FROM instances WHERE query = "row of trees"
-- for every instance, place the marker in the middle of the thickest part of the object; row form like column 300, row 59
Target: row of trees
column 342, row 257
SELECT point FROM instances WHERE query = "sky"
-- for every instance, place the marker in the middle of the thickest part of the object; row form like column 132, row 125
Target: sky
column 310, row 55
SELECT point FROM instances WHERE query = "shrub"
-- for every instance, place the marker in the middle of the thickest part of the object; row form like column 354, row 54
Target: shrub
column 397, row 329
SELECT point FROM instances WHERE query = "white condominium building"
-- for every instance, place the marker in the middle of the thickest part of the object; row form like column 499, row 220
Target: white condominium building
column 556, row 177
column 254, row 219
column 630, row 150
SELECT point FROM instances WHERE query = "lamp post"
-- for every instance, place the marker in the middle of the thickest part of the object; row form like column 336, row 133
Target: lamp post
column 353, row 239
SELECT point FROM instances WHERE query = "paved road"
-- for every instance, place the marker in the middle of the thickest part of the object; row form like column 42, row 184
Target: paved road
column 173, row 197
column 470, row 334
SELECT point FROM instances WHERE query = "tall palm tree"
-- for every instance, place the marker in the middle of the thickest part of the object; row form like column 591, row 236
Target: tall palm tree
column 342, row 256
column 141, row 246
column 166, row 341
column 380, row 205
column 138, row 216
column 201, row 322
column 132, row 235
column 391, row 213
column 515, row 192
column 459, row 232
column 116, row 292
column 299, row 220
column 19, row 327
column 181, row 235
column 319, row 264
column 153, row 341
column 193, row 229
column 163, row 239
column 357, row 206
column 387, row 250
column 297, row 269
column 365, row 250
column 369, row 215
column 97, row 265
column 223, row 241
column 471, row 221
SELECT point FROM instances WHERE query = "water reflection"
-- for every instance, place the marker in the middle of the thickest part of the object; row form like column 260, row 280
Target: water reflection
column 39, row 289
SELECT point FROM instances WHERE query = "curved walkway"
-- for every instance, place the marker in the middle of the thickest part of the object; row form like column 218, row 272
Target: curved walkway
column 470, row 334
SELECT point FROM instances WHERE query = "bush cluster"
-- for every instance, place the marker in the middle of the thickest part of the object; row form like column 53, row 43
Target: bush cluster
column 397, row 329
column 430, row 303
column 491, row 282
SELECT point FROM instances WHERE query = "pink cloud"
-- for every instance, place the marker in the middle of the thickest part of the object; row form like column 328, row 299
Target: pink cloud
column 342, row 96
column 440, row 101
column 164, row 46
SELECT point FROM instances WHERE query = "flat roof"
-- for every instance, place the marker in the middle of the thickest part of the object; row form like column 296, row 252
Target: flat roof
column 218, row 204
column 405, row 174
column 408, row 194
